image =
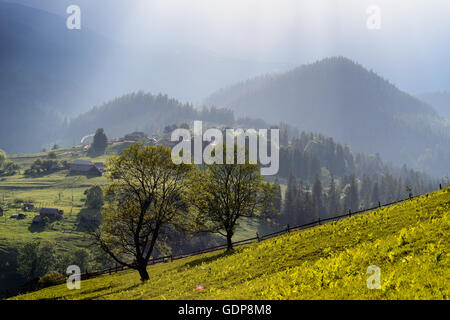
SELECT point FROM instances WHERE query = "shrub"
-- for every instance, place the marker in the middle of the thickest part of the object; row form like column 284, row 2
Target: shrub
column 50, row 279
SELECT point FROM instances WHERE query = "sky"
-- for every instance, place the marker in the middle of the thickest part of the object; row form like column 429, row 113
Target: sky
column 413, row 36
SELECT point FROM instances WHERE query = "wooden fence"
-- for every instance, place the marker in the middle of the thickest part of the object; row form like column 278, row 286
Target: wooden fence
column 258, row 238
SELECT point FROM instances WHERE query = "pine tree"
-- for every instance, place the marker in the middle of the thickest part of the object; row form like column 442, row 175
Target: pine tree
column 277, row 200
column 354, row 202
column 366, row 188
column 290, row 202
column 333, row 200
column 375, row 197
column 100, row 143
column 318, row 209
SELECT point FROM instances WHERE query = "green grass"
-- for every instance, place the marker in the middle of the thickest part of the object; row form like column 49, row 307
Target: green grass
column 409, row 242
column 56, row 190
column 53, row 190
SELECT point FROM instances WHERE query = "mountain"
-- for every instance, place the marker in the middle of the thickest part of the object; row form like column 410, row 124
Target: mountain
column 342, row 99
column 48, row 72
column 140, row 112
column 439, row 100
column 43, row 75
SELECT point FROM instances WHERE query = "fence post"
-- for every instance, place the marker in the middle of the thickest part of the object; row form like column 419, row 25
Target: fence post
column 110, row 271
column 440, row 186
column 379, row 204
column 116, row 267
column 288, row 228
column 349, row 212
column 257, row 236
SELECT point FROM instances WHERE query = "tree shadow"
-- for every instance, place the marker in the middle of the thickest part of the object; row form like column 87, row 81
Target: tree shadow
column 87, row 176
column 88, row 220
column 118, row 290
column 37, row 227
column 215, row 257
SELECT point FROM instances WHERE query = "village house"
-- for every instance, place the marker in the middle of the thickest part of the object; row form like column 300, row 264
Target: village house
column 100, row 166
column 18, row 216
column 136, row 136
column 27, row 207
column 86, row 167
column 51, row 213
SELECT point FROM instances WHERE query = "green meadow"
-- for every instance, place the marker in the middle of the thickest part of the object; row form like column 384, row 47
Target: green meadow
column 58, row 190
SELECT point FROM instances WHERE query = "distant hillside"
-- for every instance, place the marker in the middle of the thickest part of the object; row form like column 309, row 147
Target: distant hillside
column 341, row 99
column 439, row 100
column 48, row 72
column 43, row 75
column 408, row 242
column 141, row 112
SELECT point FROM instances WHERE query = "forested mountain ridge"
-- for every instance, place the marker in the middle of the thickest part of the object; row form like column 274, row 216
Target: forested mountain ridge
column 340, row 98
column 48, row 72
column 439, row 100
column 141, row 111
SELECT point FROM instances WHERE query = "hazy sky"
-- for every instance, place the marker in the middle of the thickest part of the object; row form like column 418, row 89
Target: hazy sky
column 413, row 38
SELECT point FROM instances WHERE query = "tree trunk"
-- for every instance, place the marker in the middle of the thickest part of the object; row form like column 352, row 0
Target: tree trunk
column 229, row 242
column 143, row 273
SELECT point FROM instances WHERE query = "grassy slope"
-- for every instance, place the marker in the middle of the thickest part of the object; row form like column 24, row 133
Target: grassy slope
column 408, row 241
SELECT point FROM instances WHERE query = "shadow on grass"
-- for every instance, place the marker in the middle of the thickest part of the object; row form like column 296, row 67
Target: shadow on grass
column 215, row 257
column 88, row 220
column 79, row 174
column 118, row 290
column 33, row 228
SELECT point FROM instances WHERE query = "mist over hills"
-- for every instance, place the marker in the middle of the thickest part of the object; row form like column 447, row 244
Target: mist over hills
column 141, row 112
column 49, row 72
column 342, row 99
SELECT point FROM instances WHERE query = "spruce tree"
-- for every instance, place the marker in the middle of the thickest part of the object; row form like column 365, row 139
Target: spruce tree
column 290, row 203
column 333, row 199
column 100, row 143
column 317, row 199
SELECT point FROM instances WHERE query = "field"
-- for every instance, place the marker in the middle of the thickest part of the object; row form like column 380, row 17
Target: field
column 57, row 190
column 409, row 242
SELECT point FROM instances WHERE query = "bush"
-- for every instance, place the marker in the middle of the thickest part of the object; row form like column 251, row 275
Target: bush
column 52, row 155
column 51, row 279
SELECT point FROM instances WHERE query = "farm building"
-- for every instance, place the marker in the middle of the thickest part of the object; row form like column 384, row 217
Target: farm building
column 135, row 137
column 100, row 166
column 28, row 207
column 86, row 167
column 51, row 213
column 18, row 216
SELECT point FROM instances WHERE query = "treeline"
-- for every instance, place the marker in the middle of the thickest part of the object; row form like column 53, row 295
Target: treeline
column 143, row 112
column 304, row 203
column 306, row 155
column 325, row 179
